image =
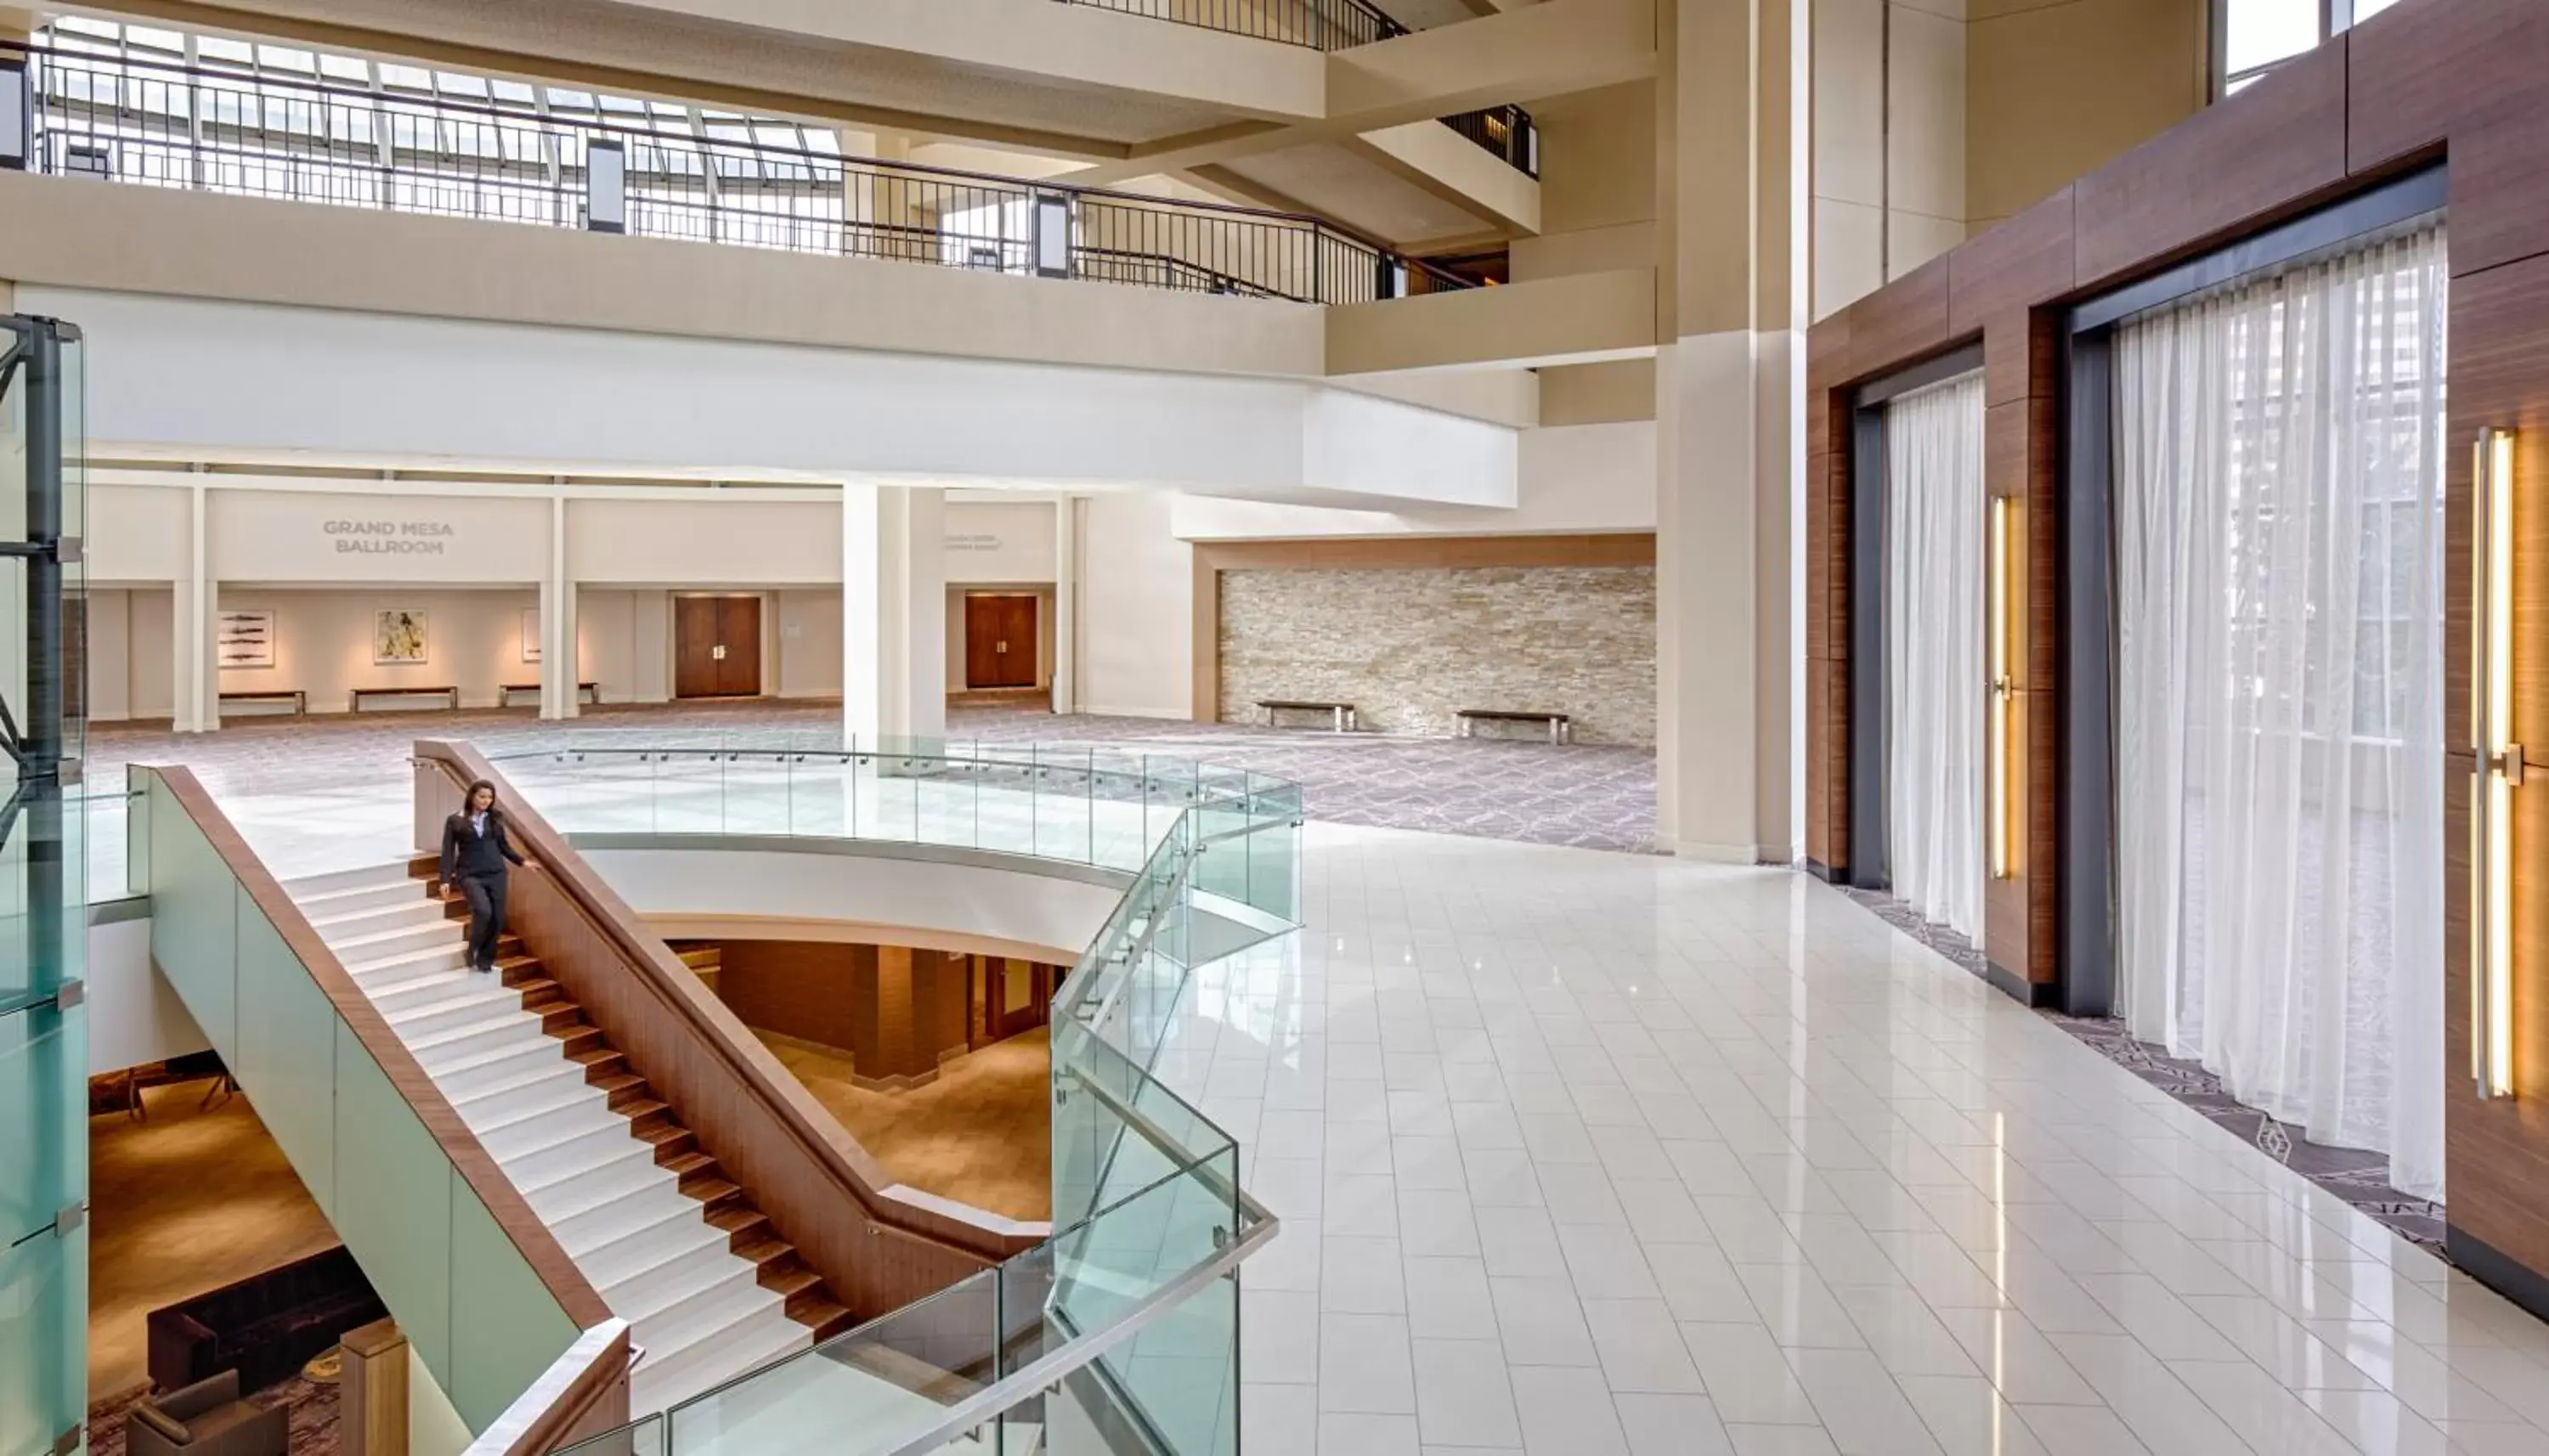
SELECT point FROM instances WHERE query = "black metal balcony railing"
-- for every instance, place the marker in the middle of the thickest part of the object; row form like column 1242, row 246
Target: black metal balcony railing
column 155, row 125
column 1505, row 131
column 1321, row 25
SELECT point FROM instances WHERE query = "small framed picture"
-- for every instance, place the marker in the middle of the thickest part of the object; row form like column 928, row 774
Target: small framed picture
column 398, row 638
column 246, row 639
column 530, row 634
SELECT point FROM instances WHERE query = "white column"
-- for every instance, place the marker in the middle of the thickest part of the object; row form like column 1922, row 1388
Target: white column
column 893, row 612
column 1066, row 605
column 194, row 669
column 558, row 666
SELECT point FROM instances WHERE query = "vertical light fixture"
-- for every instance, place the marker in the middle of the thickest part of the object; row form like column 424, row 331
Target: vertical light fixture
column 2498, row 770
column 2002, row 804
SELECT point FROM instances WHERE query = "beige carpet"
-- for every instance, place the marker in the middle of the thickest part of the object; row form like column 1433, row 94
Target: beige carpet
column 982, row 1134
column 183, row 1203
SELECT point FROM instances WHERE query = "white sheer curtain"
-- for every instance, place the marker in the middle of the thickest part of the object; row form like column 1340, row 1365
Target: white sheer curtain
column 2278, row 498
column 1936, row 687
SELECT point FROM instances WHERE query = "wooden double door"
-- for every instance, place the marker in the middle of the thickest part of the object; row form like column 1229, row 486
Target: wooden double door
column 1001, row 639
column 717, row 646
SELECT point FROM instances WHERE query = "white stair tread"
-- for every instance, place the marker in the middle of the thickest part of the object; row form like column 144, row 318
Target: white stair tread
column 573, row 1135
column 722, row 1343
column 332, row 881
column 631, row 1215
column 348, row 913
column 673, row 1297
column 572, row 1196
column 672, row 1238
column 560, row 1090
column 384, row 968
column 516, row 1027
column 506, row 1081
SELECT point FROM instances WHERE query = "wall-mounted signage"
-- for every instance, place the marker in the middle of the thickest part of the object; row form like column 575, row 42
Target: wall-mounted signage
column 389, row 537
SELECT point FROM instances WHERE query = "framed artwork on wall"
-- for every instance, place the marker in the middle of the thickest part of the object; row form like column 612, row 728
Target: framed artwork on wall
column 530, row 634
column 246, row 639
column 398, row 638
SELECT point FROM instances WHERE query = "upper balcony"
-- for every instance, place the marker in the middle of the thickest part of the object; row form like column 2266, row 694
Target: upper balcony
column 398, row 139
column 1133, row 88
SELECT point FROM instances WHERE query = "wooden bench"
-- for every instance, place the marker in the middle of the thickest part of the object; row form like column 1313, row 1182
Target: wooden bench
column 298, row 699
column 588, row 692
column 1342, row 713
column 1560, row 730
column 449, row 693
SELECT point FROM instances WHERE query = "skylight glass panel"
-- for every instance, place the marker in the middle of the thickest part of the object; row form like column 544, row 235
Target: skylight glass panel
column 562, row 99
column 351, row 69
column 514, row 93
column 81, row 24
column 395, row 77
column 216, row 51
column 473, row 88
column 286, row 59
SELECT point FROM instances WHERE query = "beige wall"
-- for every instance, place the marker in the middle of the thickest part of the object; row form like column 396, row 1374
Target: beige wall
column 1597, row 188
column 1888, row 159
column 1597, row 393
column 2053, row 90
column 1137, row 608
column 324, row 642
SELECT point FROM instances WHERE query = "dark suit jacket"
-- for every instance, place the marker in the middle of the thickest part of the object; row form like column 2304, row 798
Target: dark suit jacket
column 467, row 852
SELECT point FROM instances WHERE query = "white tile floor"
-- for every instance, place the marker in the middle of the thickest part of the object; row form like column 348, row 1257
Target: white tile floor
column 1583, row 1153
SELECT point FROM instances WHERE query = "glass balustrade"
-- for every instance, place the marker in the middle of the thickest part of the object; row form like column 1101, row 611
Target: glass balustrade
column 1125, row 1321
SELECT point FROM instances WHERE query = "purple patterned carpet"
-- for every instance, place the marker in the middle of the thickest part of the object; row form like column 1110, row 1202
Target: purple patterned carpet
column 2351, row 1173
column 1589, row 796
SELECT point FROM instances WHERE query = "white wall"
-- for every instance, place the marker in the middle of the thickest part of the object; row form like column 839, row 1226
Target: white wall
column 810, row 643
column 873, row 890
column 134, row 1015
column 216, row 378
column 324, row 642
column 999, row 541
column 128, row 647
column 1574, row 478
column 1137, row 608
column 704, row 541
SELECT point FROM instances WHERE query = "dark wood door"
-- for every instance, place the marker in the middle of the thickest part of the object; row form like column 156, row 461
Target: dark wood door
column 739, row 646
column 717, row 646
column 1016, row 995
column 1000, row 641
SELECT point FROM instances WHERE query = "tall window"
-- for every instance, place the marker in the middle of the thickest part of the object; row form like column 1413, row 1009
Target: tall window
column 2277, row 472
column 2254, row 37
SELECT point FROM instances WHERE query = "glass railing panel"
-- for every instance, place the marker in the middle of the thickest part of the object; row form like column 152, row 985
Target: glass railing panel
column 1275, row 847
column 1064, row 813
column 873, row 1389
column 44, row 1328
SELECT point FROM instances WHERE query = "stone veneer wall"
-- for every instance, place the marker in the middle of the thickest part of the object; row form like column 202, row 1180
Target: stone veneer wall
column 1412, row 647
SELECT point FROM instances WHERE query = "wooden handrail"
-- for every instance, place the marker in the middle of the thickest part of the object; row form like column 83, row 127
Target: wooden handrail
column 822, row 1191
column 539, row 1249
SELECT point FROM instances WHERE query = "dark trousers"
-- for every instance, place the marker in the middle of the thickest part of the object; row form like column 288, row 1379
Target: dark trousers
column 485, row 896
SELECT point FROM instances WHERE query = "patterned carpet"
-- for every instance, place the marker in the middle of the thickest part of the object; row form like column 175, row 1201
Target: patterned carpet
column 313, row 1418
column 1589, row 796
column 2351, row 1173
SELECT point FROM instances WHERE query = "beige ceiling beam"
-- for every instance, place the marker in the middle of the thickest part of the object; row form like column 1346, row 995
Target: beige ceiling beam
column 1517, row 57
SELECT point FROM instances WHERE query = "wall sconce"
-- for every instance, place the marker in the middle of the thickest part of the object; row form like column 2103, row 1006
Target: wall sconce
column 2003, row 802
column 2497, row 770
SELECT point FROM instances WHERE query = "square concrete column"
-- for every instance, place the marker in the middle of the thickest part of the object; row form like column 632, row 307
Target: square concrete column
column 893, row 612
column 1730, row 126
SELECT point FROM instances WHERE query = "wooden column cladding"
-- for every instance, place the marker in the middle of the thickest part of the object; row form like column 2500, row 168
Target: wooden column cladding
column 2450, row 81
column 876, row 1251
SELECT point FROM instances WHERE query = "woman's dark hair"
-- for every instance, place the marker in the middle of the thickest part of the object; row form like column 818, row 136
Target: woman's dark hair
column 470, row 798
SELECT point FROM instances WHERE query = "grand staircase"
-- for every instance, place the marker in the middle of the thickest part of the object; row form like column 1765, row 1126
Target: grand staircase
column 671, row 1243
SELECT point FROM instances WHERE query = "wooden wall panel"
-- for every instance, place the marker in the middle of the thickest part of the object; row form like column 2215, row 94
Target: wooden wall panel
column 2467, row 74
column 796, row 988
column 2269, row 150
column 2456, row 80
column 2500, row 376
column 1999, row 277
column 1900, row 322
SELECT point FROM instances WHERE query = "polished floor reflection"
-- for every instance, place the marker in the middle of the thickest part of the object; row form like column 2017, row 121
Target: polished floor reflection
column 1584, row 1153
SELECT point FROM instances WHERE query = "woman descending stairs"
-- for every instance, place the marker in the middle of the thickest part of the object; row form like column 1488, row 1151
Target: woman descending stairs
column 671, row 1243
